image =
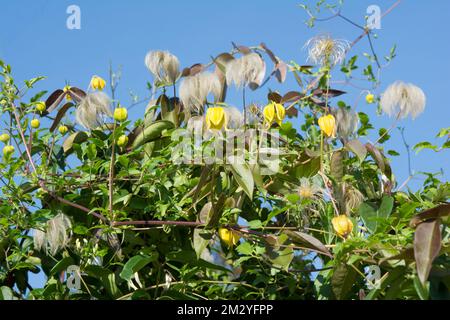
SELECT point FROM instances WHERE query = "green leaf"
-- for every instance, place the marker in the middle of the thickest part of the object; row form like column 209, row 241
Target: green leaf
column 344, row 276
column 427, row 244
column 135, row 264
column 243, row 176
column 372, row 216
column 308, row 241
column 200, row 241
column 150, row 133
column 425, row 145
column 62, row 265
column 245, row 248
column 337, row 167
column 423, row 291
column 357, row 148
column 77, row 137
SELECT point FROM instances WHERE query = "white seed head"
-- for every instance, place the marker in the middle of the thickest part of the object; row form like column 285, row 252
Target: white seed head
column 353, row 199
column 56, row 236
column 347, row 121
column 402, row 99
column 248, row 70
column 323, row 50
column 164, row 66
column 235, row 119
column 92, row 109
column 195, row 89
column 308, row 189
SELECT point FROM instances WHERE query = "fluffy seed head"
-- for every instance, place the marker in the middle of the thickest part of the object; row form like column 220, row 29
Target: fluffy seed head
column 56, row 236
column 92, row 109
column 323, row 50
column 164, row 66
column 347, row 121
column 195, row 89
column 402, row 99
column 248, row 70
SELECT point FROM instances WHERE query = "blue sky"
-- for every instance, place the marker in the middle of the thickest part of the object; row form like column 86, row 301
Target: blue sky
column 35, row 41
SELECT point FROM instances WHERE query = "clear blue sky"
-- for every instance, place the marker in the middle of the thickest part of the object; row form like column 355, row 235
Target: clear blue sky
column 35, row 41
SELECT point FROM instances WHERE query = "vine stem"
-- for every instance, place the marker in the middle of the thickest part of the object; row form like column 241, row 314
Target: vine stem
column 111, row 171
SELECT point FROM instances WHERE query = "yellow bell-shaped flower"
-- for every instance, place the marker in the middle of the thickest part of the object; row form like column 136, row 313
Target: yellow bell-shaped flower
column 35, row 123
column 63, row 129
column 274, row 112
column 66, row 89
column 8, row 150
column 98, row 83
column 370, row 98
column 342, row 225
column 328, row 125
column 122, row 141
column 229, row 237
column 4, row 137
column 215, row 118
column 120, row 114
column 40, row 106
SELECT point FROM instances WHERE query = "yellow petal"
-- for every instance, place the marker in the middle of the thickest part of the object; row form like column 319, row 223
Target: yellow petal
column 269, row 113
column 327, row 124
column 280, row 112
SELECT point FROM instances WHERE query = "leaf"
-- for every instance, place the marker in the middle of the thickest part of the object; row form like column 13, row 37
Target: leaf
column 280, row 71
column 62, row 265
column 357, row 148
column 427, row 244
column 439, row 211
column 380, row 160
column 77, row 94
column 54, row 100
column 6, row 293
column 245, row 248
column 151, row 133
column 337, row 167
column 135, row 264
column 372, row 216
column 344, row 276
column 281, row 258
column 274, row 96
column 60, row 115
column 309, row 241
column 200, row 241
column 243, row 175
column 423, row 291
column 425, row 145
column 291, row 96
column 77, row 137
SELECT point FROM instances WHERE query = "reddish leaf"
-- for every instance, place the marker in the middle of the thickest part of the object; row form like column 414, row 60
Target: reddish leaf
column 280, row 71
column 192, row 70
column 308, row 241
column 60, row 115
column 274, row 96
column 441, row 210
column 292, row 96
column 54, row 100
column 427, row 244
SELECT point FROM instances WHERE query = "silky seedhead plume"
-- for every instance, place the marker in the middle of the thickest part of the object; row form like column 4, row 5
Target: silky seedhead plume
column 347, row 121
column 55, row 237
column 323, row 50
column 195, row 89
column 248, row 70
column 92, row 110
column 163, row 65
column 402, row 99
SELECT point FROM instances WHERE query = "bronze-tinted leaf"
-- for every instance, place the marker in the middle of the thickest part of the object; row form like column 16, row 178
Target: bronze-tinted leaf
column 54, row 100
column 242, row 49
column 357, row 148
column 380, row 160
column 441, row 210
column 274, row 96
column 280, row 71
column 336, row 164
column 60, row 115
column 292, row 96
column 77, row 94
column 292, row 112
column 192, row 70
column 308, row 241
column 329, row 92
column 221, row 62
column 427, row 244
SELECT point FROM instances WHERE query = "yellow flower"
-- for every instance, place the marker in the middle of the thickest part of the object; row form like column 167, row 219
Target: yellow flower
column 66, row 89
column 8, row 150
column 120, row 114
column 215, row 118
column 229, row 237
column 40, row 106
column 122, row 141
column 4, row 137
column 342, row 225
column 63, row 129
column 370, row 98
column 274, row 112
column 328, row 125
column 35, row 123
column 98, row 83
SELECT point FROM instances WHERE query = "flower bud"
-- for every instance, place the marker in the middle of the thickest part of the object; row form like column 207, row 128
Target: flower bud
column 342, row 225
column 229, row 237
column 122, row 141
column 40, row 106
column 120, row 114
column 63, row 129
column 4, row 137
column 66, row 89
column 35, row 123
column 328, row 125
column 370, row 98
column 8, row 150
column 215, row 118
column 98, row 83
